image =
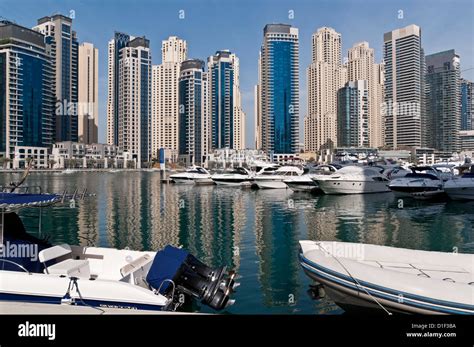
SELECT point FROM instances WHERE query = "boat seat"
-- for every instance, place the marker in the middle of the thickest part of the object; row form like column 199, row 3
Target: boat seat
column 134, row 271
column 68, row 267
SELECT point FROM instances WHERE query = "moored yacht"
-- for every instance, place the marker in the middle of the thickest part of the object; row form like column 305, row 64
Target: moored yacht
column 422, row 181
column 194, row 174
column 354, row 180
column 461, row 188
column 275, row 179
column 236, row 177
column 307, row 181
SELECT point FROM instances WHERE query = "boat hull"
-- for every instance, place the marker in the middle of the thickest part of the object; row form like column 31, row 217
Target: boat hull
column 302, row 187
column 352, row 187
column 271, row 184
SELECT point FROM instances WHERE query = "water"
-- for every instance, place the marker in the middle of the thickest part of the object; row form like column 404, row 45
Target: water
column 254, row 232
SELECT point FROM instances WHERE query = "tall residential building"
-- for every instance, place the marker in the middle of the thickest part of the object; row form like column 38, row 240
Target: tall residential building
column 88, row 93
column 443, row 101
column 129, row 99
column 279, row 89
column 326, row 75
column 63, row 48
column 404, row 84
column 26, row 94
column 353, row 122
column 194, row 120
column 257, row 111
column 467, row 105
column 227, row 116
column 165, row 103
column 361, row 66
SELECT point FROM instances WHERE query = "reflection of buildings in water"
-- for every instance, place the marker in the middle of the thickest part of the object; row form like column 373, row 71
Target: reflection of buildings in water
column 164, row 216
column 123, row 211
column 276, row 226
column 88, row 222
column 211, row 222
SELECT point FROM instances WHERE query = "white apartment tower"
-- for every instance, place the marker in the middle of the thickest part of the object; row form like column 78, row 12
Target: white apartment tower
column 88, row 93
column 404, row 88
column 165, row 98
column 361, row 66
column 326, row 75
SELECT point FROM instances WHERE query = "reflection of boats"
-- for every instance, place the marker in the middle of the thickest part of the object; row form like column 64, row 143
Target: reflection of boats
column 274, row 179
column 194, row 174
column 353, row 180
column 235, row 177
column 422, row 182
column 461, row 188
column 98, row 277
column 366, row 276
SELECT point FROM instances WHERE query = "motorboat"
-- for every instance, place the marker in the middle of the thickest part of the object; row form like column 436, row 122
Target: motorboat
column 354, row 180
column 392, row 280
column 236, row 177
column 422, row 181
column 275, row 179
column 307, row 181
column 461, row 188
column 97, row 277
column 194, row 174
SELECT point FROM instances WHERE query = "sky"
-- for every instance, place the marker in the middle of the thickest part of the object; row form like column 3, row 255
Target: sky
column 210, row 25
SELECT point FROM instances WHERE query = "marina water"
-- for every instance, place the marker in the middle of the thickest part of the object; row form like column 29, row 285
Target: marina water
column 255, row 232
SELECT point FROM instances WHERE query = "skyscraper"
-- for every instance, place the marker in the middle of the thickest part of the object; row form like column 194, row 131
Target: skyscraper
column 26, row 94
column 361, row 66
column 129, row 99
column 227, row 117
column 165, row 103
column 194, row 122
column 467, row 105
column 88, row 93
column 326, row 75
column 404, row 85
column 353, row 114
column 62, row 46
column 443, row 101
column 279, row 89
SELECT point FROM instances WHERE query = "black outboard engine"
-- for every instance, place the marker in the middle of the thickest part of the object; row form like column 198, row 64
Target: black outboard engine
column 175, row 271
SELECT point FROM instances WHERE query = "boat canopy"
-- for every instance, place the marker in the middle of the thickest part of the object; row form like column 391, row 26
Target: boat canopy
column 10, row 201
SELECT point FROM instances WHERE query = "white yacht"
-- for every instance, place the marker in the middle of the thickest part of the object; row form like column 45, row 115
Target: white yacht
column 421, row 181
column 96, row 277
column 307, row 181
column 354, row 180
column 275, row 179
column 235, row 178
column 194, row 174
column 461, row 188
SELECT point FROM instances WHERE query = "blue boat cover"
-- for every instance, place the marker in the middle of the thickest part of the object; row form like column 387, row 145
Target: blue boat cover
column 165, row 265
column 16, row 200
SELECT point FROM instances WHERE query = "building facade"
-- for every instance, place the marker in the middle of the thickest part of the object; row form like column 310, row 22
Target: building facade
column 227, row 116
column 443, row 101
column 63, row 48
column 279, row 89
column 194, row 120
column 467, row 105
column 26, row 93
column 403, row 109
column 325, row 76
column 353, row 115
column 165, row 98
column 88, row 94
column 129, row 99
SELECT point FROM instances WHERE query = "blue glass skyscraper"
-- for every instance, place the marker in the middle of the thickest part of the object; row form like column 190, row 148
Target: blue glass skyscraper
column 467, row 105
column 279, row 79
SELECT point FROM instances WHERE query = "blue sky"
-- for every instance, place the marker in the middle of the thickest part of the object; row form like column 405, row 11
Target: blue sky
column 237, row 25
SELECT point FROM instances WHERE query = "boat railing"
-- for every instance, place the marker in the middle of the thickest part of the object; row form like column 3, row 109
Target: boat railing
column 16, row 264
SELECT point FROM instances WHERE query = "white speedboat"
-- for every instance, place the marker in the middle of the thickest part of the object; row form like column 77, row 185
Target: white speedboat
column 99, row 277
column 194, row 174
column 236, row 177
column 423, row 181
column 461, row 188
column 275, row 179
column 302, row 183
column 354, row 180
column 363, row 276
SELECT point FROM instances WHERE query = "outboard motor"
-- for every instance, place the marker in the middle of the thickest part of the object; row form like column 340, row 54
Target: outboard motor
column 175, row 271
